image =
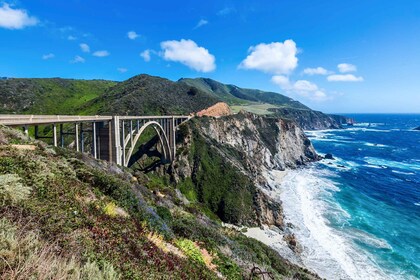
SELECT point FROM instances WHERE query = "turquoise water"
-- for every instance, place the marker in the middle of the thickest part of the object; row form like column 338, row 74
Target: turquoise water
column 365, row 204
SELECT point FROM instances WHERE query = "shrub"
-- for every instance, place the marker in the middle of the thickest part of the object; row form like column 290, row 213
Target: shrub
column 110, row 209
column 164, row 213
column 12, row 190
column 191, row 250
column 25, row 256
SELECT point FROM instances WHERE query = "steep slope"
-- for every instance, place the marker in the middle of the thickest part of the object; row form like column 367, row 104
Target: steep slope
column 234, row 95
column 49, row 96
column 308, row 119
column 221, row 161
column 149, row 95
column 261, row 102
column 64, row 215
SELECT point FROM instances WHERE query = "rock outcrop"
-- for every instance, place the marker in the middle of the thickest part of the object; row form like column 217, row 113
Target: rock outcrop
column 217, row 110
column 310, row 119
column 246, row 144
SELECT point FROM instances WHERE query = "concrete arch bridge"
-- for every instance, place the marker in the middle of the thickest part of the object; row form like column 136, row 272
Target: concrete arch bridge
column 111, row 138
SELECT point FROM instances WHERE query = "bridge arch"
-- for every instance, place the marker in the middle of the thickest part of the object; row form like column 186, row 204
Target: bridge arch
column 163, row 138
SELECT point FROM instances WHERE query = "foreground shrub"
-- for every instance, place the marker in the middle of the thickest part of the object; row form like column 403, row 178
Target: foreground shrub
column 24, row 256
column 190, row 250
column 12, row 190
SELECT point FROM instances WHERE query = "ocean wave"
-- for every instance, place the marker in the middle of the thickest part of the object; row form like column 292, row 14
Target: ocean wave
column 376, row 145
column 307, row 197
column 391, row 164
column 368, row 239
column 375, row 166
column 368, row 124
column 403, row 173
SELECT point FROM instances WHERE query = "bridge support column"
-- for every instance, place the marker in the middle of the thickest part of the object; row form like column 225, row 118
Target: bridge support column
column 116, row 140
column 94, row 140
column 172, row 139
column 76, row 136
column 55, row 135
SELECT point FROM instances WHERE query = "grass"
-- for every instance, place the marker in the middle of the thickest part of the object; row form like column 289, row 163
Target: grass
column 255, row 107
column 25, row 256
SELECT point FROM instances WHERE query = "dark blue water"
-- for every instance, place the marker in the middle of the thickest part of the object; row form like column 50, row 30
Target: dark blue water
column 377, row 173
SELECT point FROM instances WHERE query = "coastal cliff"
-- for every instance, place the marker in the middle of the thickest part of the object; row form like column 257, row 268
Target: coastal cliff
column 222, row 163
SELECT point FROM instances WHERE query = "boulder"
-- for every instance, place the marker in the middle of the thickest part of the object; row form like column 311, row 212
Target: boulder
column 329, row 156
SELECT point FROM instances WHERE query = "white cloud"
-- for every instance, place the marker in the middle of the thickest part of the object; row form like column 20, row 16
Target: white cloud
column 132, row 35
column 101, row 53
column 122, row 70
column 48, row 56
column 225, row 11
column 15, row 18
column 78, row 59
column 71, row 38
column 275, row 58
column 345, row 68
column 303, row 88
column 344, row 78
column 316, row 71
column 201, row 23
column 282, row 81
column 188, row 53
column 146, row 55
column 84, row 47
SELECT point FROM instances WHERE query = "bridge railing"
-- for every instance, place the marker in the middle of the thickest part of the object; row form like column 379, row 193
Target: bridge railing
column 108, row 133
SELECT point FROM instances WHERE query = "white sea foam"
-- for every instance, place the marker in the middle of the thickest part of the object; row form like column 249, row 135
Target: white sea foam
column 307, row 197
column 392, row 164
column 375, row 145
column 374, row 166
column 403, row 173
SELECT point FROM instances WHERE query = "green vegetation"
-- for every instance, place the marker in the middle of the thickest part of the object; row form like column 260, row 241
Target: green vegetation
column 49, row 96
column 256, row 108
column 190, row 249
column 79, row 218
column 148, row 95
column 234, row 95
column 215, row 183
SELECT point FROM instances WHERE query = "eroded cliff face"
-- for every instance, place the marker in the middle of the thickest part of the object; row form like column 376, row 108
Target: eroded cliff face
column 248, row 145
column 309, row 119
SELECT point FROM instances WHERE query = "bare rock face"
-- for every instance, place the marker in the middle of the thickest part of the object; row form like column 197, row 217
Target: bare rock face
column 252, row 145
column 269, row 212
column 270, row 143
column 217, row 110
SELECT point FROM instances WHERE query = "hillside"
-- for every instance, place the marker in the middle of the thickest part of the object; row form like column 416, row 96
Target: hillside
column 49, row 96
column 65, row 215
column 149, row 95
column 265, row 103
column 234, row 95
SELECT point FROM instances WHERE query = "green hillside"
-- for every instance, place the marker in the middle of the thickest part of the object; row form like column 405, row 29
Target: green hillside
column 149, row 95
column 65, row 215
column 234, row 95
column 49, row 96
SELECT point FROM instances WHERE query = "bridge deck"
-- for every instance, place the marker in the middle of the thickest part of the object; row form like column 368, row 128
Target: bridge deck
column 112, row 138
column 17, row 120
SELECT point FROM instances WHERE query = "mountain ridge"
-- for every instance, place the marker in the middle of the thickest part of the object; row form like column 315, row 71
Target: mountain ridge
column 150, row 95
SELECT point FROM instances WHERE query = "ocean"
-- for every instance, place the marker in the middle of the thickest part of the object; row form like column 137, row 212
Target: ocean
column 358, row 216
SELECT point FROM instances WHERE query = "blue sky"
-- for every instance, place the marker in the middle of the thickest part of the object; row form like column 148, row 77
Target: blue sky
column 334, row 56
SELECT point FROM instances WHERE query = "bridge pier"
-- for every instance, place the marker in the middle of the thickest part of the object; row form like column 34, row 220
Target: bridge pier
column 110, row 139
